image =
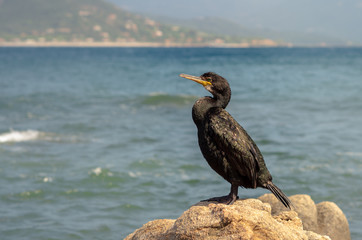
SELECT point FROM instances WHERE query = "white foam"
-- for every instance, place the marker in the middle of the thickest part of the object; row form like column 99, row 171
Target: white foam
column 97, row 171
column 19, row 136
column 47, row 179
column 351, row 154
column 134, row 174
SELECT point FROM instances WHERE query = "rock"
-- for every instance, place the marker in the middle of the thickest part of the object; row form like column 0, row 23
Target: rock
column 303, row 205
column 332, row 221
column 249, row 219
column 315, row 236
column 152, row 230
column 325, row 218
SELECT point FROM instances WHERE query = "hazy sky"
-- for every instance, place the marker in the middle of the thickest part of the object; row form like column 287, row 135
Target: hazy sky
column 333, row 17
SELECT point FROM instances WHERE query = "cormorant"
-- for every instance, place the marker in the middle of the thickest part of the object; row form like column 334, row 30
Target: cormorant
column 225, row 145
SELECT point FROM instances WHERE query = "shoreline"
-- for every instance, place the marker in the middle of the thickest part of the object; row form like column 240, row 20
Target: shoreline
column 129, row 44
column 164, row 45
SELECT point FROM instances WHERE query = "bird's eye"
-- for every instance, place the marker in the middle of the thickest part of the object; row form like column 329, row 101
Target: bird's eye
column 209, row 79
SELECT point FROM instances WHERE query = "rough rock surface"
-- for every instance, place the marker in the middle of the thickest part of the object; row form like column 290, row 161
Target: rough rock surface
column 324, row 218
column 249, row 219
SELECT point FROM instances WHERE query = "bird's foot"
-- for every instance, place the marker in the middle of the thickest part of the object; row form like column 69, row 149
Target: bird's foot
column 228, row 199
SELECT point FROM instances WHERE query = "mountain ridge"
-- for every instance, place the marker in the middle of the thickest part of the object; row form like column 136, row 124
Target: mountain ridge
column 100, row 22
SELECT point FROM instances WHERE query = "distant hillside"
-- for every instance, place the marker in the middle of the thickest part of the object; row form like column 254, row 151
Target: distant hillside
column 84, row 20
column 214, row 25
column 220, row 26
column 87, row 21
column 97, row 21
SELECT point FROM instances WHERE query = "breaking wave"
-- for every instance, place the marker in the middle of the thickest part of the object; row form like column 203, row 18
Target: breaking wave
column 20, row 136
column 14, row 136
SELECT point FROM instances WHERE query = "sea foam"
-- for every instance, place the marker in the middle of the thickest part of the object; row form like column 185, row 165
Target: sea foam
column 19, row 136
column 351, row 154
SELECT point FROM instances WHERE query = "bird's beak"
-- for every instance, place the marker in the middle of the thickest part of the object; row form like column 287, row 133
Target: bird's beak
column 196, row 79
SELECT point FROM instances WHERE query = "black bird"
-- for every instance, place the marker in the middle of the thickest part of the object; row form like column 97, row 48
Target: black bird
column 225, row 145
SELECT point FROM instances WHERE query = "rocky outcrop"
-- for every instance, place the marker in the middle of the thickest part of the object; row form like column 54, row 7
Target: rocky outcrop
column 324, row 218
column 251, row 219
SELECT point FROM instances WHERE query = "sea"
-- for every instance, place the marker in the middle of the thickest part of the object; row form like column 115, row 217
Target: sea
column 96, row 142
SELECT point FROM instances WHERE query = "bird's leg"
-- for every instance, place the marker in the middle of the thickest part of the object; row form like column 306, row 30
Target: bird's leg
column 228, row 199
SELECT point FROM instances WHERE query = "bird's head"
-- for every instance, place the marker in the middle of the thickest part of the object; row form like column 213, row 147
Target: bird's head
column 212, row 82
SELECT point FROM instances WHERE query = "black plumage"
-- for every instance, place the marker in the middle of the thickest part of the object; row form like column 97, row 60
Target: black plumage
column 226, row 146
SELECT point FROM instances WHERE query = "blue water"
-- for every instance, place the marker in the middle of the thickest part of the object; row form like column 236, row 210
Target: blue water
column 95, row 142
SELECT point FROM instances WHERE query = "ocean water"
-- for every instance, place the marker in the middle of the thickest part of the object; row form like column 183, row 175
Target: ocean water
column 95, row 142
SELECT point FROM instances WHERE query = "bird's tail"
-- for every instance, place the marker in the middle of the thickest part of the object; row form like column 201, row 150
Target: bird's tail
column 279, row 194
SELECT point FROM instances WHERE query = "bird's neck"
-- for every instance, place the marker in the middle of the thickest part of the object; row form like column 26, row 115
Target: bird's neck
column 203, row 105
column 222, row 99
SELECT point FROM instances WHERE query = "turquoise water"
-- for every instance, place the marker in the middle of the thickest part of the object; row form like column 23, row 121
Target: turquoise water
column 95, row 142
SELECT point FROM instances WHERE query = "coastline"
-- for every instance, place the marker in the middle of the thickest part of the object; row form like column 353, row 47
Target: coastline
column 165, row 45
column 136, row 44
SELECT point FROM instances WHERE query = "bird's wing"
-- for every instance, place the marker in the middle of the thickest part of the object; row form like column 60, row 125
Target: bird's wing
column 239, row 149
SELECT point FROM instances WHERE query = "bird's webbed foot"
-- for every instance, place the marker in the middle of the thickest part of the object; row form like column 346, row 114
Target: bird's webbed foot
column 228, row 200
